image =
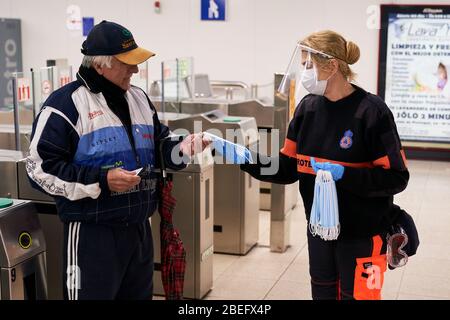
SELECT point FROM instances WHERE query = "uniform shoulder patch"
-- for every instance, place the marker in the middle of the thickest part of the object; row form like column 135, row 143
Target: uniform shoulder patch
column 346, row 141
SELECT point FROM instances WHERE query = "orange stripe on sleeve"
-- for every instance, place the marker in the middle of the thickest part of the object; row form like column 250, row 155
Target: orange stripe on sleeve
column 382, row 162
column 385, row 163
column 290, row 148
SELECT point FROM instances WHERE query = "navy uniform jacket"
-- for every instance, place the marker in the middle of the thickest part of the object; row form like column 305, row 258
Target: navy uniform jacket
column 359, row 133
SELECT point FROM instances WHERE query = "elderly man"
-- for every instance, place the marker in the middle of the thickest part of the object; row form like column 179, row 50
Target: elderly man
column 88, row 140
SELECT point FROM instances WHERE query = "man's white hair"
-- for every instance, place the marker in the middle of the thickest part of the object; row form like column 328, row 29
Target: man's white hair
column 100, row 61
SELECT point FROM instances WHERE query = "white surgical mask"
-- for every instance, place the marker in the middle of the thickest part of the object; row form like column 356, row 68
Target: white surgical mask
column 312, row 84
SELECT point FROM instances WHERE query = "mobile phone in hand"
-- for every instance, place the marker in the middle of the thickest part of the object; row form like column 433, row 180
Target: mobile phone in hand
column 143, row 172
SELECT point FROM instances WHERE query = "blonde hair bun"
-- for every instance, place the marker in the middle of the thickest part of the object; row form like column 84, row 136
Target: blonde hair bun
column 334, row 44
column 352, row 53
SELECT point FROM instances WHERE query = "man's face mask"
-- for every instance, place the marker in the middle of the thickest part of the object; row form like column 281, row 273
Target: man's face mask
column 302, row 70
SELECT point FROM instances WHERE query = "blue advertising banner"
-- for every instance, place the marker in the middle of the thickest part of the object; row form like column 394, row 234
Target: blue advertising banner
column 213, row 10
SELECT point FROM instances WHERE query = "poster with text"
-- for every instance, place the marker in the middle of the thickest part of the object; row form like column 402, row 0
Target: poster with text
column 414, row 62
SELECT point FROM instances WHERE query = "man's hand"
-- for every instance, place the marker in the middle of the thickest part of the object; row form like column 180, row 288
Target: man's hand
column 120, row 180
column 336, row 170
column 193, row 144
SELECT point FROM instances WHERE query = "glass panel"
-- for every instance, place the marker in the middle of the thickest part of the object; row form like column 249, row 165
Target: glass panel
column 169, row 84
column 185, row 77
column 177, row 79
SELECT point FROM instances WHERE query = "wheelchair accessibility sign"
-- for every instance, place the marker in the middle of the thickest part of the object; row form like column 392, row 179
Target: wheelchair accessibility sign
column 213, row 10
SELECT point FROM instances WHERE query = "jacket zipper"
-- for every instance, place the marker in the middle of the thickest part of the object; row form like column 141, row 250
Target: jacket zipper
column 131, row 140
column 133, row 147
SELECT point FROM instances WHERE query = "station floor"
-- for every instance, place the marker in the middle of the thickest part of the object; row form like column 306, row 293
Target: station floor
column 262, row 274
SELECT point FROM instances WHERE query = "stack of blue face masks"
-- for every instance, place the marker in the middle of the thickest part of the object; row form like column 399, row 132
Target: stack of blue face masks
column 324, row 219
column 233, row 153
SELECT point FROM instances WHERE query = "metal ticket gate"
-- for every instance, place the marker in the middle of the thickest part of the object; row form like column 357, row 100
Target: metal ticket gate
column 193, row 217
column 236, row 193
column 52, row 228
column 279, row 199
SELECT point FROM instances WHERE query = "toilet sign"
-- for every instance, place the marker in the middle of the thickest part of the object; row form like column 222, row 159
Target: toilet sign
column 23, row 89
column 213, row 10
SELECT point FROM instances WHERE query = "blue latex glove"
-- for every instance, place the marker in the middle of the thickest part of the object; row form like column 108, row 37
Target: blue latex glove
column 233, row 153
column 336, row 170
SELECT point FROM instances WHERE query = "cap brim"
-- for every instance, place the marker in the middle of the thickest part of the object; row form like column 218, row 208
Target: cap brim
column 135, row 56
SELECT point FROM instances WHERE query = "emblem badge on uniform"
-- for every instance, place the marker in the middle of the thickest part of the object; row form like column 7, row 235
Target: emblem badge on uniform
column 346, row 141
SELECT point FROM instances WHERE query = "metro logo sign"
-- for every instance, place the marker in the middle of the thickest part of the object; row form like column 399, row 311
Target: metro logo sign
column 10, row 58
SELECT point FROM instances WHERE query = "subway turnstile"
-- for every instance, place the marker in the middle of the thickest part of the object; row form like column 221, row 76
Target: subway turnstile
column 236, row 193
column 193, row 217
column 22, row 252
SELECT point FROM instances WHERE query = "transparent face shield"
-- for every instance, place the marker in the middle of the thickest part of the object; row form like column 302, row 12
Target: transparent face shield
column 300, row 65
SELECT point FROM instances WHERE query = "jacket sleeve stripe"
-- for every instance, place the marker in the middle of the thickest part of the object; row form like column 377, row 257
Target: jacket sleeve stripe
column 53, row 184
column 290, row 148
column 385, row 162
column 382, row 162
